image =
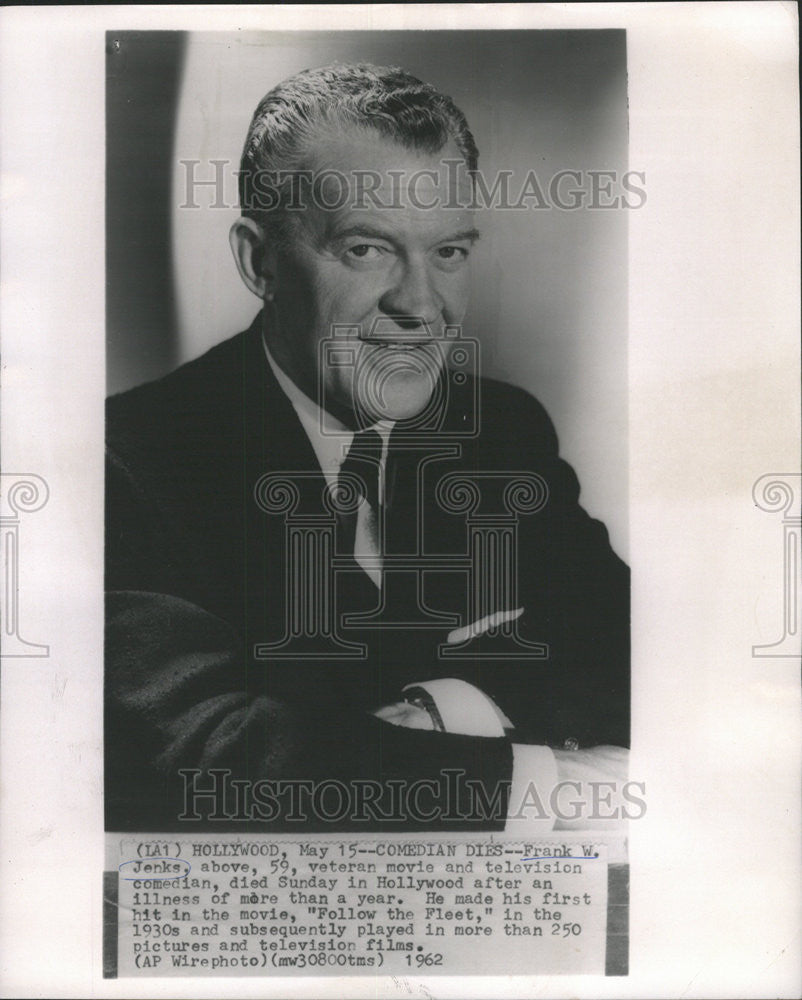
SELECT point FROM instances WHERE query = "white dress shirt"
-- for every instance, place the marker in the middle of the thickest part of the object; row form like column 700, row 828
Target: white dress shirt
column 331, row 441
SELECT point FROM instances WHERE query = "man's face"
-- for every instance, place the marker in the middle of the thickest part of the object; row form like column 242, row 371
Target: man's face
column 388, row 279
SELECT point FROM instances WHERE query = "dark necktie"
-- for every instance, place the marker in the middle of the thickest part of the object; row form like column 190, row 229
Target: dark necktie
column 401, row 500
column 360, row 471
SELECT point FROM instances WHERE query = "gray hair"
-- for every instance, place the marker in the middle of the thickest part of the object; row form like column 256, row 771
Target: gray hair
column 388, row 100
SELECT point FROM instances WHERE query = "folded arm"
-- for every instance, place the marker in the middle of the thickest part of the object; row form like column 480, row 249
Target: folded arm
column 179, row 695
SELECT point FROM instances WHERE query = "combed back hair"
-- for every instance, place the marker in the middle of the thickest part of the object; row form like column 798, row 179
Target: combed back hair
column 387, row 100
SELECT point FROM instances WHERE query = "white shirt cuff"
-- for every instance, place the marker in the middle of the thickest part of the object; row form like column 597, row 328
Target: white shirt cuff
column 534, row 777
column 461, row 707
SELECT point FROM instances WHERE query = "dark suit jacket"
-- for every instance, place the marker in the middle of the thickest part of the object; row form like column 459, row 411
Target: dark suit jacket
column 196, row 579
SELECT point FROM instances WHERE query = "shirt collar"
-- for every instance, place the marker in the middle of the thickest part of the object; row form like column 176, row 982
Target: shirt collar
column 329, row 437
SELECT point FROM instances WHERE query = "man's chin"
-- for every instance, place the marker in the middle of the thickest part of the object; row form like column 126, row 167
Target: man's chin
column 401, row 399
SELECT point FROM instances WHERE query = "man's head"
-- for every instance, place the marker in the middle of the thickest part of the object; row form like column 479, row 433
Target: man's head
column 363, row 235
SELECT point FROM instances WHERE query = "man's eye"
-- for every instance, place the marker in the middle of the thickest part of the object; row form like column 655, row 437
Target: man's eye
column 452, row 253
column 364, row 251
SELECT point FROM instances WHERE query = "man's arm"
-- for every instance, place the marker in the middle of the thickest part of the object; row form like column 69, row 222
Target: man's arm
column 179, row 696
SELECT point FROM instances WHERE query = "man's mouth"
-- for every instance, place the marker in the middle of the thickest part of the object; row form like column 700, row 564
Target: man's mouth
column 399, row 333
column 398, row 344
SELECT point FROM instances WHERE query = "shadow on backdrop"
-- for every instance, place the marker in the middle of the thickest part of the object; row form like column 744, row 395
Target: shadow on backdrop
column 143, row 79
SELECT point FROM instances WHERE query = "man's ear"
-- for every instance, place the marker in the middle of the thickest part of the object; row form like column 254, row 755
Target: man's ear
column 254, row 259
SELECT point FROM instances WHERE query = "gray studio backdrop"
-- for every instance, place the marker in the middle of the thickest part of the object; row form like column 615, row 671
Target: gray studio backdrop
column 549, row 300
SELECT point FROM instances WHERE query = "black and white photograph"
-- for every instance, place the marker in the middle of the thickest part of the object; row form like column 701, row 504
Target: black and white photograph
column 400, row 500
column 349, row 570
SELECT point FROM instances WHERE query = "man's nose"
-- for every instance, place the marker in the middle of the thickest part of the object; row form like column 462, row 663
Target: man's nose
column 411, row 300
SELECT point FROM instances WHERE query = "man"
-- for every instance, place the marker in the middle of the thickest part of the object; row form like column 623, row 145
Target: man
column 332, row 559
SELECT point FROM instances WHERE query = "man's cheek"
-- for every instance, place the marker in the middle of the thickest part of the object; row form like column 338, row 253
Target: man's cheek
column 334, row 298
column 354, row 298
column 455, row 297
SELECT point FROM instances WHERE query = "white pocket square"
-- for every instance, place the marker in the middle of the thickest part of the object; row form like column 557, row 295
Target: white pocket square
column 482, row 625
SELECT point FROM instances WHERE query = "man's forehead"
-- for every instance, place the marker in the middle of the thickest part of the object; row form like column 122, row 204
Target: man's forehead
column 373, row 162
column 362, row 148
column 365, row 181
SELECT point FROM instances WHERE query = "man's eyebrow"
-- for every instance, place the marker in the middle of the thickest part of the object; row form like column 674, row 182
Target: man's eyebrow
column 376, row 233
column 359, row 229
column 464, row 234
